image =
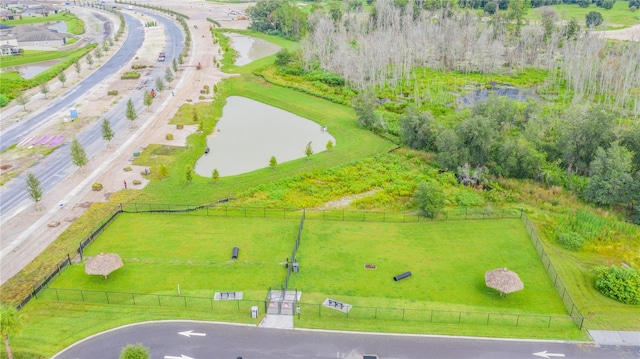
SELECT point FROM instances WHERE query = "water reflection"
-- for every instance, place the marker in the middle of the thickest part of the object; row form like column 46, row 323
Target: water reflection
column 250, row 48
column 250, row 132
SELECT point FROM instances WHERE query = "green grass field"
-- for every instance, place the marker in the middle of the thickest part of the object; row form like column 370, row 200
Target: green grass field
column 162, row 251
column 618, row 17
column 447, row 261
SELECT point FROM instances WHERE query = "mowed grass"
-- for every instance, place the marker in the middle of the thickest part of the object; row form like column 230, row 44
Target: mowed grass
column 447, row 260
column 617, row 17
column 162, row 251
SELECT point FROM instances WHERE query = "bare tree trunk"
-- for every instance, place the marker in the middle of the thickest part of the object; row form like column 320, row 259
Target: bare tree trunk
column 8, row 347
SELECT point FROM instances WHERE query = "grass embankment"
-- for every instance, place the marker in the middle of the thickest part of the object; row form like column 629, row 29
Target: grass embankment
column 32, row 56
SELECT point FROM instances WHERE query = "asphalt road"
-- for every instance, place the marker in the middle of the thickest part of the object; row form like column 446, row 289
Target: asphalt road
column 227, row 341
column 58, row 166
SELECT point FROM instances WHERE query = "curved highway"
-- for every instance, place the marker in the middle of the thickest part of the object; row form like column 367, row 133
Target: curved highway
column 201, row 340
column 58, row 166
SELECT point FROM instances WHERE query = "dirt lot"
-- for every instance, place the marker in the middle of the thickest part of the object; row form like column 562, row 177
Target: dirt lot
column 26, row 235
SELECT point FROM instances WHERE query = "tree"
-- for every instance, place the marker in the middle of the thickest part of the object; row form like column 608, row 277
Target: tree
column 174, row 64
column 147, row 99
column 273, row 162
column 518, row 158
column 610, row 180
column 308, row 151
column 477, row 135
column 329, row 146
column 137, row 351
column 89, row 60
column 572, row 29
column 10, row 324
column 168, row 75
column 593, row 19
column 490, row 7
column 159, row 84
column 34, row 189
column 107, row 132
column 105, row 46
column 283, row 57
column 62, row 78
column 77, row 67
column 451, row 152
column 22, row 100
column 582, row 131
column 517, row 12
column 365, row 106
column 416, row 129
column 98, row 53
column 215, row 175
column 44, row 89
column 430, row 198
column 583, row 3
column 78, row 155
column 188, row 174
column 163, row 171
column 131, row 111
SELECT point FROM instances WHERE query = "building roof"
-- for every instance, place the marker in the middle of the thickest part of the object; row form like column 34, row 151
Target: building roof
column 26, row 33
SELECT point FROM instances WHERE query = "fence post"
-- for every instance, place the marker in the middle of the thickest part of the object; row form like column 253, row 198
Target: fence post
column 376, row 315
column 82, row 294
column 69, row 258
column 57, row 297
column 106, row 294
column 133, row 299
column 488, row 316
column 518, row 321
column 549, row 325
column 159, row 304
column 403, row 314
column 185, row 301
column 211, row 300
column 459, row 317
column 35, row 295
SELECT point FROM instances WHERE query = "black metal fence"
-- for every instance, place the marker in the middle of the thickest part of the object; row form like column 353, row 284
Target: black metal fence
column 439, row 316
column 222, row 209
column 67, row 261
column 150, row 300
column 293, row 262
column 561, row 288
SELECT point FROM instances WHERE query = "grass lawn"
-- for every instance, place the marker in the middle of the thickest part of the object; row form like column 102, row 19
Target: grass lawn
column 447, row 261
column 618, row 17
column 75, row 25
column 162, row 251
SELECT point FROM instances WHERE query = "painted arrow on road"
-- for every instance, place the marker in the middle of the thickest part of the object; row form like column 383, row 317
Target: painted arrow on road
column 544, row 354
column 190, row 333
column 182, row 356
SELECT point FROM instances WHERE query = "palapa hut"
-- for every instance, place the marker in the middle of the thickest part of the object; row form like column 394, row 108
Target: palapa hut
column 103, row 264
column 503, row 280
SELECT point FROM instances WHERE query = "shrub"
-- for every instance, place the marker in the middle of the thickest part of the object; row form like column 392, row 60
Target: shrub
column 130, row 75
column 138, row 66
column 619, row 283
column 4, row 100
column 189, row 100
column 169, row 136
column 112, row 92
column 200, row 97
column 96, row 187
column 137, row 182
column 179, row 126
column 328, row 78
column 128, row 169
column 571, row 240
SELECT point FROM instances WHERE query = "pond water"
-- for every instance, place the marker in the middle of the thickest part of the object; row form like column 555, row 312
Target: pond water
column 30, row 71
column 250, row 132
column 59, row 26
column 250, row 48
column 483, row 94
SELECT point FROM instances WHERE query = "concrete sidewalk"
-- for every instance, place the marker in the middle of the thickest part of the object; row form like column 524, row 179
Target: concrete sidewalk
column 610, row 337
column 277, row 321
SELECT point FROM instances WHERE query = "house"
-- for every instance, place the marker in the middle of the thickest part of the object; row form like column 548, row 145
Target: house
column 7, row 15
column 37, row 37
column 38, row 10
column 8, row 41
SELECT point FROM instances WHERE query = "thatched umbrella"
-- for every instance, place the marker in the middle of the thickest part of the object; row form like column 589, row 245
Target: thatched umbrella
column 103, row 264
column 503, row 280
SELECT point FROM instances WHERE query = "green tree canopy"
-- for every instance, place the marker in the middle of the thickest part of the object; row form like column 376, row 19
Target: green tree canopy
column 34, row 189
column 610, row 180
column 430, row 198
column 78, row 154
column 10, row 325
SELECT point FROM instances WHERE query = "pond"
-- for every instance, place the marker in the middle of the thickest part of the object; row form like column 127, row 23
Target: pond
column 513, row 93
column 32, row 70
column 250, row 48
column 250, row 132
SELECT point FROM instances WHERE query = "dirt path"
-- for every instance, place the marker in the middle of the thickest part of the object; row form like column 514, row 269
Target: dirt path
column 27, row 234
column 631, row 33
